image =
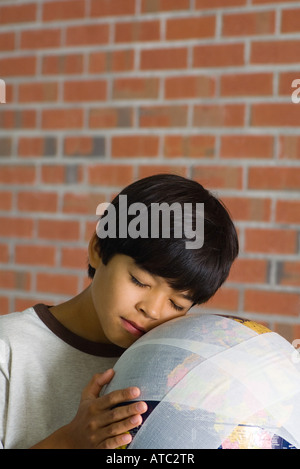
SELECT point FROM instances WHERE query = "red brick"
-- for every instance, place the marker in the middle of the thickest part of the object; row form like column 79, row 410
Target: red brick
column 261, row 2
column 5, row 146
column 275, row 114
column 247, row 146
column 4, row 253
column 274, row 178
column 17, row 66
column 35, row 146
column 37, row 201
column 82, row 203
column 218, row 115
column 218, row 177
column 251, row 84
column 134, row 146
column 108, row 8
column 290, row 20
column 16, row 227
column 225, row 299
column 149, row 170
column 150, row 6
column 288, row 211
column 18, row 13
column 38, row 92
column 64, row 284
column 111, row 117
column 87, row 35
column 190, row 146
column 289, row 147
column 135, row 88
column 189, row 87
column 74, row 258
column 20, row 174
column 111, row 61
column 270, row 302
column 59, row 230
column 4, row 305
column 271, row 241
column 53, row 174
column 7, row 41
column 203, row 4
column 18, row 119
column 15, row 280
column 290, row 332
column 285, row 82
column 78, row 146
column 249, row 271
column 20, row 304
column 110, row 175
column 289, row 273
column 62, row 118
column 274, row 52
column 190, row 28
column 137, row 31
column 218, row 55
column 40, row 39
column 164, row 59
column 163, row 116
column 248, row 209
column 63, row 10
column 76, row 91
column 5, row 200
column 62, row 64
column 246, row 24
column 35, row 255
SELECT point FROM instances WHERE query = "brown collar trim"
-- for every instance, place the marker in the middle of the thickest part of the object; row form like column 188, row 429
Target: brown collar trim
column 80, row 343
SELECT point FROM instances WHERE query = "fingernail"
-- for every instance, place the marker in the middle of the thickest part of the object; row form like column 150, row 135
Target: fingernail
column 135, row 420
column 141, row 407
column 135, row 392
column 126, row 438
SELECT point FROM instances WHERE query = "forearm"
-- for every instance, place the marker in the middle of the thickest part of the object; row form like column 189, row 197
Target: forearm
column 57, row 440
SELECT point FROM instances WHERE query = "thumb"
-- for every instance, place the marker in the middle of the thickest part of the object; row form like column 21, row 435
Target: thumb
column 92, row 390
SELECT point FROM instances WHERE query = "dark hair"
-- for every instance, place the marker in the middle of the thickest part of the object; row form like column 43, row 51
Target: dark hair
column 198, row 271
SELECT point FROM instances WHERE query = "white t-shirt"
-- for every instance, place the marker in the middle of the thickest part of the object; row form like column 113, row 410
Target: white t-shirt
column 43, row 370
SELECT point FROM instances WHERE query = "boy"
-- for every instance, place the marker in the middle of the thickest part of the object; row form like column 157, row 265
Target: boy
column 48, row 354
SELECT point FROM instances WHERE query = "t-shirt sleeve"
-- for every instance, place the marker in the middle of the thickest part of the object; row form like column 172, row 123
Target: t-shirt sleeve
column 4, row 386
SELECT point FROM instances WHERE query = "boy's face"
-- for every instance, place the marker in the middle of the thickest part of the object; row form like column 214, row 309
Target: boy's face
column 129, row 301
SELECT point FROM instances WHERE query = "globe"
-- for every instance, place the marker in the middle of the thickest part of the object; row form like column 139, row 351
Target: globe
column 213, row 382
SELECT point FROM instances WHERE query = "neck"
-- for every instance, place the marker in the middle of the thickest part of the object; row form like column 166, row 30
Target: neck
column 79, row 316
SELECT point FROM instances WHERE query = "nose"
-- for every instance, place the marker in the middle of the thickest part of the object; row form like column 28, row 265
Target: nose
column 151, row 306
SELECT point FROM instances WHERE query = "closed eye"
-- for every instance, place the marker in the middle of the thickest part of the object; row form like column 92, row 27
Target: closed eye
column 142, row 285
column 176, row 307
column 136, row 282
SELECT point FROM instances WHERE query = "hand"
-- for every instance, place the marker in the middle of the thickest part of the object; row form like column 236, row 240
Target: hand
column 98, row 423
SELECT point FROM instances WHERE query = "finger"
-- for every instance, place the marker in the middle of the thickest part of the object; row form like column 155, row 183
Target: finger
column 97, row 382
column 117, row 434
column 116, row 442
column 118, row 414
column 114, row 398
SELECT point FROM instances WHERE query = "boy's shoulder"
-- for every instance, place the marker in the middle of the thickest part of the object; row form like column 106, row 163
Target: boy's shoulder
column 13, row 324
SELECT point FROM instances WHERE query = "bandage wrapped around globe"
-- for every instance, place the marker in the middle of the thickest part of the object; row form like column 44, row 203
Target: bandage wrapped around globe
column 213, row 382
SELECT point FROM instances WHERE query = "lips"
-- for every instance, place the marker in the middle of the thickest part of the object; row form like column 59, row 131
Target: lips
column 132, row 327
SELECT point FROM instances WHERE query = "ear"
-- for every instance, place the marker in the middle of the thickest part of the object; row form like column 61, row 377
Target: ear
column 93, row 251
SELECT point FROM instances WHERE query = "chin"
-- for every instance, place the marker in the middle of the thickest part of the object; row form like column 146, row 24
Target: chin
column 125, row 342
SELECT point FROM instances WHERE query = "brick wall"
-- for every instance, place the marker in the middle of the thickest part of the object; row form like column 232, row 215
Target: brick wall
column 101, row 92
